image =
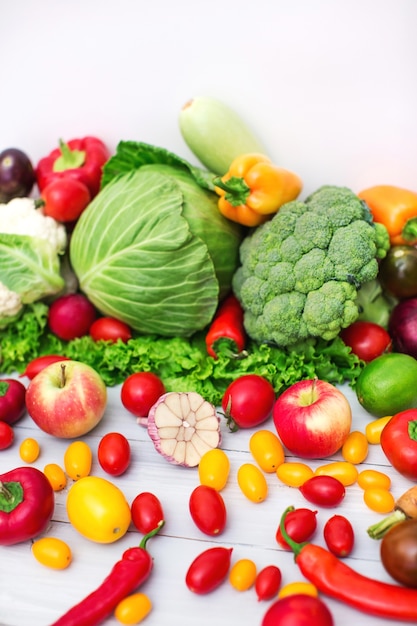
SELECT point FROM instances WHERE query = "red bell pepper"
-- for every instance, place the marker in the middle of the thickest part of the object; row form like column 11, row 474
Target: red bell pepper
column 26, row 504
column 227, row 326
column 80, row 159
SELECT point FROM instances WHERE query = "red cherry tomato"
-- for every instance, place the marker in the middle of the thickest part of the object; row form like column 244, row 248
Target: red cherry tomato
column 208, row 510
column 248, row 401
column 339, row 535
column 300, row 524
column 399, row 443
column 65, row 199
column 114, row 453
column 208, row 570
column 267, row 582
column 110, row 329
column 298, row 609
column 367, row 340
column 12, row 400
column 147, row 512
column 37, row 365
column 323, row 490
column 6, row 435
column 140, row 391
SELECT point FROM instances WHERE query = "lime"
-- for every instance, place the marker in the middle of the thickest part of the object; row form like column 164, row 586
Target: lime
column 388, row 384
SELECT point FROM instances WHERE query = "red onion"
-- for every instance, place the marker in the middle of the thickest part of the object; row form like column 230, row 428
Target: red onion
column 403, row 327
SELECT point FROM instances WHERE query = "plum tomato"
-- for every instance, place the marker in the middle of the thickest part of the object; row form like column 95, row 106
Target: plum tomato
column 379, row 499
column 344, row 471
column 140, row 391
column 110, row 329
column 29, row 450
column 366, row 339
column 56, row 476
column 298, row 586
column 267, row 450
column 339, row 535
column 12, row 400
column 300, row 524
column 6, row 435
column 373, row 478
column 242, row 574
column 214, row 468
column 298, row 609
column 294, row 473
column 113, row 453
column 355, row 448
column 323, row 491
column 133, row 608
column 71, row 316
column 147, row 512
column 252, row 482
column 52, row 552
column 208, row 570
column 39, row 363
column 208, row 510
column 267, row 582
column 248, row 401
column 78, row 458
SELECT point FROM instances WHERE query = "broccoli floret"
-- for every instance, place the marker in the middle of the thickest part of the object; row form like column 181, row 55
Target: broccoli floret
column 300, row 272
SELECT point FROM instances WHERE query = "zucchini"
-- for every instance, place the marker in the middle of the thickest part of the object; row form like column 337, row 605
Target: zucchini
column 215, row 133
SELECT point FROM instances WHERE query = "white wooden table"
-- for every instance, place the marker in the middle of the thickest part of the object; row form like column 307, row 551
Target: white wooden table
column 33, row 594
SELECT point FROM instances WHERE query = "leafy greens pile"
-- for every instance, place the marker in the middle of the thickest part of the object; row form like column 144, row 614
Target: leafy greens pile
column 182, row 363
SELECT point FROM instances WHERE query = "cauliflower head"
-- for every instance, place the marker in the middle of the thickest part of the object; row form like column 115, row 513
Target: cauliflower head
column 300, row 272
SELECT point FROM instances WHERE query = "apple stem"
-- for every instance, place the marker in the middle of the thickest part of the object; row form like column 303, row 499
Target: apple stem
column 63, row 378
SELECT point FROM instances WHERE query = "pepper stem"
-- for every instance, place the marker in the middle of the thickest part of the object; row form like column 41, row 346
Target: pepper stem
column 150, row 534
column 69, row 159
column 5, row 492
column 378, row 530
column 237, row 191
column 409, row 232
column 295, row 547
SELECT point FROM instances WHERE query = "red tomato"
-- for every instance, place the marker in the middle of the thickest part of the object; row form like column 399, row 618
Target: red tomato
column 339, row 535
column 12, row 400
column 110, row 329
column 323, row 490
column 208, row 510
column 298, row 610
column 6, row 435
column 248, row 401
column 65, row 199
column 147, row 512
column 37, row 365
column 367, row 340
column 399, row 442
column 208, row 570
column 300, row 524
column 140, row 391
column 268, row 582
column 114, row 453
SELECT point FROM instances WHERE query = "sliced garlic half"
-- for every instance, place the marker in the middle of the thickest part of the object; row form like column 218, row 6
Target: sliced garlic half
column 183, row 426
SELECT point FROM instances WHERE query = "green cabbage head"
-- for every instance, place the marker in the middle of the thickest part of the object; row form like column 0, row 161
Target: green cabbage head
column 152, row 248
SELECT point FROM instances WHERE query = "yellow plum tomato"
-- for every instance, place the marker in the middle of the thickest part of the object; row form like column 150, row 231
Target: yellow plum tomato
column 52, row 552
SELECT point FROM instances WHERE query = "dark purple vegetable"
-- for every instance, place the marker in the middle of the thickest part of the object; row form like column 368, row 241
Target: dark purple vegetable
column 399, row 552
column 17, row 175
column 398, row 272
column 403, row 327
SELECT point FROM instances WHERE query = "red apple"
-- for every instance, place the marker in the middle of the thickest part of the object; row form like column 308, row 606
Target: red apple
column 313, row 419
column 71, row 316
column 66, row 399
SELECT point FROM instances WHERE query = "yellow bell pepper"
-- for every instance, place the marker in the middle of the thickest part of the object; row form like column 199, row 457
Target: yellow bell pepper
column 254, row 188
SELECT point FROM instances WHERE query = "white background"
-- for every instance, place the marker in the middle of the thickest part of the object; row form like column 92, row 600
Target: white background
column 329, row 86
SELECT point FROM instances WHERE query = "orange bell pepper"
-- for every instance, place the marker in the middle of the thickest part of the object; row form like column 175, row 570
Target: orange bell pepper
column 254, row 188
column 396, row 208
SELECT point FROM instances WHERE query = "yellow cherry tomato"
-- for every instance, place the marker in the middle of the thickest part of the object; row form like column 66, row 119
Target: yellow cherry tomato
column 56, row 476
column 294, row 474
column 29, row 450
column 342, row 470
column 133, row 609
column 98, row 509
column 355, row 449
column 214, row 468
column 379, row 500
column 374, row 429
column 78, row 459
column 267, row 450
column 242, row 574
column 52, row 552
column 372, row 478
column 301, row 586
column 252, row 482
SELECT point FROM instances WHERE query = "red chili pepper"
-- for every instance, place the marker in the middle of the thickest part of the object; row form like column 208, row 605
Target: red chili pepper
column 82, row 159
column 26, row 504
column 227, row 325
column 336, row 579
column 127, row 575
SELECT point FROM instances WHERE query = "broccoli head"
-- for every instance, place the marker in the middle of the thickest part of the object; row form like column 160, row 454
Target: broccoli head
column 300, row 272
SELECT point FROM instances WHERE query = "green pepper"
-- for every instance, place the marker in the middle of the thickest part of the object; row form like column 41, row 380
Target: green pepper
column 398, row 272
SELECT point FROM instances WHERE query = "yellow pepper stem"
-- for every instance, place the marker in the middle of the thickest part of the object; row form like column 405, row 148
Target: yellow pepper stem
column 237, row 191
